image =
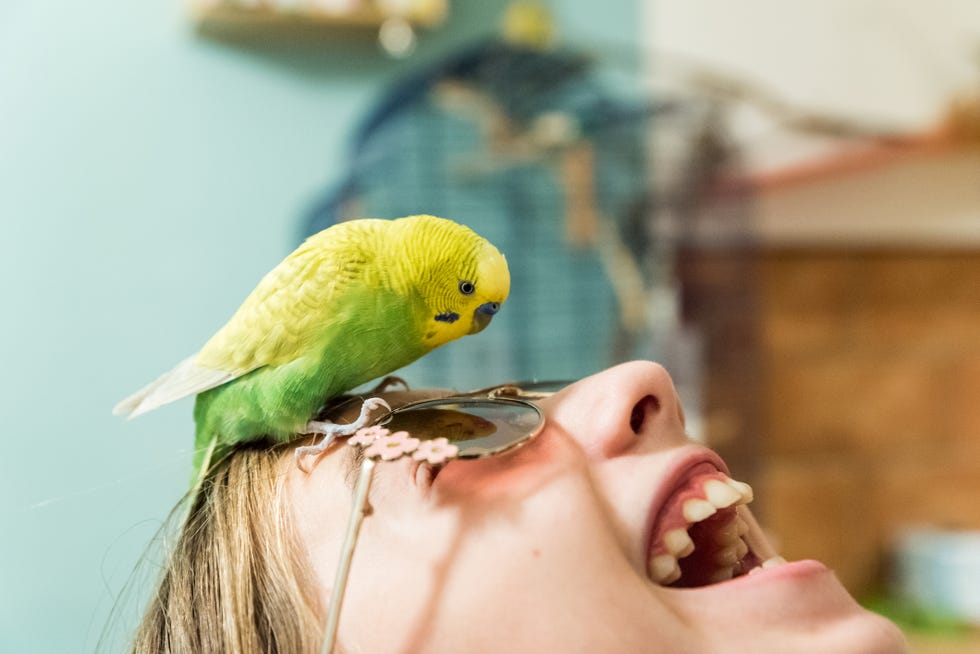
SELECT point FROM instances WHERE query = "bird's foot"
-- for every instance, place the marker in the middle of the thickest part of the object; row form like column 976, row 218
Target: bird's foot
column 331, row 430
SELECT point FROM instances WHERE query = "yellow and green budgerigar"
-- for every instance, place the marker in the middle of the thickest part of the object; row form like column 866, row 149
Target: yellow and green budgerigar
column 352, row 303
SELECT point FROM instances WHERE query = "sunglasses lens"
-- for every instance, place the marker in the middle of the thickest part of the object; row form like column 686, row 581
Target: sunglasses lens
column 477, row 427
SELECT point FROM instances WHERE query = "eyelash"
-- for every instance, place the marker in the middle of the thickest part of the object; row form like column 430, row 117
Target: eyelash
column 429, row 471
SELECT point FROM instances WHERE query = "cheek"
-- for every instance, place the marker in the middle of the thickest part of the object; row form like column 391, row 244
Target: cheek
column 493, row 537
column 511, row 476
column 537, row 507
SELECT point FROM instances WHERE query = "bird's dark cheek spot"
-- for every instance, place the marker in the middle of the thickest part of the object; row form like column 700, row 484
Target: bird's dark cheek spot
column 429, row 336
column 449, row 317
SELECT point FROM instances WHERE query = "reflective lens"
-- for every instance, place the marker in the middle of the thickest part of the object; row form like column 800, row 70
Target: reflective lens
column 525, row 390
column 543, row 386
column 478, row 427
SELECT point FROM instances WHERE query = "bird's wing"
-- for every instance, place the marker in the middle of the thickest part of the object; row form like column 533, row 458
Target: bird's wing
column 291, row 308
column 282, row 319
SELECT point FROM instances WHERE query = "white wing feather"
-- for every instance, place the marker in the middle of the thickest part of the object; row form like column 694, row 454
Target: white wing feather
column 187, row 378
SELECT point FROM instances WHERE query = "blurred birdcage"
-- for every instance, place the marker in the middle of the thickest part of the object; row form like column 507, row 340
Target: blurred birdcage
column 548, row 156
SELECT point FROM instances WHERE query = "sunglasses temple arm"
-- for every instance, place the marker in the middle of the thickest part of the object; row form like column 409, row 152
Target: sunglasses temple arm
column 359, row 509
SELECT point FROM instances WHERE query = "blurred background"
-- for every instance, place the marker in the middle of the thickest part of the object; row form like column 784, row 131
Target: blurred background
column 779, row 201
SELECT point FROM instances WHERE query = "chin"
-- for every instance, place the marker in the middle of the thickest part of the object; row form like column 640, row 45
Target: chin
column 797, row 607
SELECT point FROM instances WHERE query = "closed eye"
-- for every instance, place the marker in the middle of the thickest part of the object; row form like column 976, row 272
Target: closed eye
column 425, row 473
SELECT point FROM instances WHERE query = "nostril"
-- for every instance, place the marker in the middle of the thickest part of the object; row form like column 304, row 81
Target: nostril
column 647, row 403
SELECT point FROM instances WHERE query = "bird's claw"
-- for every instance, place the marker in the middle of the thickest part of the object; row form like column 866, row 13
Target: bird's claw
column 331, row 430
column 369, row 405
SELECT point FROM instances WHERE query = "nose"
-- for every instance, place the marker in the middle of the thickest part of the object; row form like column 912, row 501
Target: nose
column 626, row 406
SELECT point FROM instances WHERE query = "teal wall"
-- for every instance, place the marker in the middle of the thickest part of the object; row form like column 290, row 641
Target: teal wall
column 148, row 178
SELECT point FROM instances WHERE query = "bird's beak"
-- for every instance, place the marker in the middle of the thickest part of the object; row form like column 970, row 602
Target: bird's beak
column 483, row 315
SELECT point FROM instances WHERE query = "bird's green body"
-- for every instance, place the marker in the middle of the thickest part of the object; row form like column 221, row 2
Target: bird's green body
column 277, row 401
column 354, row 302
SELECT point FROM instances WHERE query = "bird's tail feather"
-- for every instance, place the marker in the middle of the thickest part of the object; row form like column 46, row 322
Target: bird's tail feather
column 187, row 378
column 201, row 471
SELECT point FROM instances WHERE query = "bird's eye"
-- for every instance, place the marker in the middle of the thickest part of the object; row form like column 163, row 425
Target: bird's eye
column 467, row 288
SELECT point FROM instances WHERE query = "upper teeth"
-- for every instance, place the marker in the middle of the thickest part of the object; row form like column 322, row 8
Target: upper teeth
column 719, row 493
column 665, row 568
column 696, row 510
column 743, row 489
column 732, row 554
column 678, row 542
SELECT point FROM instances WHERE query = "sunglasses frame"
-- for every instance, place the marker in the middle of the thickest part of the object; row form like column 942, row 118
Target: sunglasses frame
column 511, row 394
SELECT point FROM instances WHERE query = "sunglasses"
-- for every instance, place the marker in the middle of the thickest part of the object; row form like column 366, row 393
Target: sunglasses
column 474, row 425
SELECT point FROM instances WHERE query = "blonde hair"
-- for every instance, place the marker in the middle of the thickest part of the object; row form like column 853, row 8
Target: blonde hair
column 236, row 579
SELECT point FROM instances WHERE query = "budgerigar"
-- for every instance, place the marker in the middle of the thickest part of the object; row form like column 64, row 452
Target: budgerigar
column 352, row 303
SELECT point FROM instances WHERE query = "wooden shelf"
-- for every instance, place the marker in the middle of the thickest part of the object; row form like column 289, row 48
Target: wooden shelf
column 228, row 16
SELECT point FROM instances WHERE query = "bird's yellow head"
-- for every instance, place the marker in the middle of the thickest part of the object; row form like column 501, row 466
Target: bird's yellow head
column 461, row 278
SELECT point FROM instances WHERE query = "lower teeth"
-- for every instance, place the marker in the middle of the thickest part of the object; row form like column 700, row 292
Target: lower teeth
column 723, row 546
column 721, row 539
column 714, row 552
column 768, row 563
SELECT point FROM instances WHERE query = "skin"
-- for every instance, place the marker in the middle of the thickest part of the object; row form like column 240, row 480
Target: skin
column 543, row 548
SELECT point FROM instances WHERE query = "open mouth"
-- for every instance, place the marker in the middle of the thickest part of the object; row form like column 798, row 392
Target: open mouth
column 704, row 534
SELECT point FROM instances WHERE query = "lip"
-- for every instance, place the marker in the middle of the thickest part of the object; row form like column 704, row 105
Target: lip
column 693, row 456
column 775, row 580
column 788, row 571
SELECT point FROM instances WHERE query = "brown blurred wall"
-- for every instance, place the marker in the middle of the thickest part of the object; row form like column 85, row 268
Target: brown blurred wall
column 843, row 379
column 872, row 364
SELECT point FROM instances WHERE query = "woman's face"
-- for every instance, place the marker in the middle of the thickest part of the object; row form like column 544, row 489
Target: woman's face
column 549, row 547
